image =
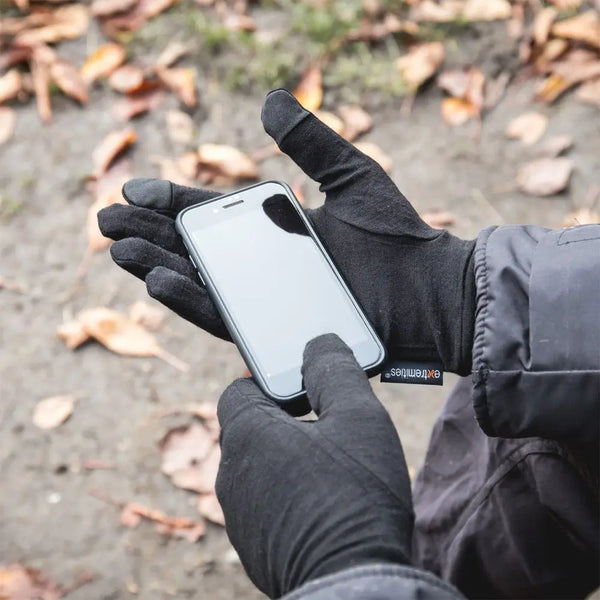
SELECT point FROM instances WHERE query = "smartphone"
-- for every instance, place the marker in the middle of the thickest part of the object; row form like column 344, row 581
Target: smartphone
column 274, row 285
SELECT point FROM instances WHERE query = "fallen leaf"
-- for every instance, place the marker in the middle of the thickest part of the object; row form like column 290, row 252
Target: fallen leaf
column 437, row 12
column 227, row 161
column 486, row 10
column 72, row 333
column 171, row 54
column 551, row 88
column 181, row 81
column 332, row 121
column 53, row 411
column 105, row 8
column 377, row 154
column 584, row 27
column 180, row 127
column 542, row 24
column 133, row 19
column 171, row 171
column 132, row 509
column 184, row 447
column 63, row 23
column 13, row 54
column 204, row 410
column 556, row 145
column 552, row 50
column 18, row 582
column 8, row 121
column 577, row 66
column 545, row 176
column 69, row 80
column 455, row 82
column 310, row 89
column 148, row 316
column 582, row 216
column 420, row 63
column 495, row 89
column 201, row 476
column 122, row 336
column 528, row 127
column 566, row 4
column 40, row 74
column 238, row 22
column 456, row 111
column 516, row 24
column 589, row 92
column 102, row 62
column 438, row 219
column 356, row 121
column 137, row 104
column 127, row 79
column 209, row 507
column 110, row 147
column 188, row 164
column 11, row 84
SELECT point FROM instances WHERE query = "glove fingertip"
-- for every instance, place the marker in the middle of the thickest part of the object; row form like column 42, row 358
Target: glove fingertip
column 281, row 113
column 148, row 193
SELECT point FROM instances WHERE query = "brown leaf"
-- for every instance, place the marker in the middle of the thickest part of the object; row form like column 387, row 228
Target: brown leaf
column 63, row 23
column 310, row 89
column 69, row 80
column 13, row 54
column 581, row 28
column 376, row 153
column 528, row 127
column 110, row 147
column 170, row 169
column 227, row 161
column 420, row 63
column 180, row 127
column 8, row 121
column 545, row 176
column 184, row 447
column 552, row 50
column 72, row 333
column 105, row 8
column 332, row 121
column 18, row 582
column 543, row 23
column 581, row 216
column 137, row 104
column 148, row 316
column 209, row 507
column 40, row 74
column 171, row 54
column 578, row 65
column 53, row 411
column 589, row 92
column 181, row 81
column 556, row 145
column 486, row 10
column 456, row 111
column 438, row 219
column 136, row 16
column 102, row 62
column 356, row 121
column 127, row 79
column 200, row 477
column 132, row 509
column 11, row 84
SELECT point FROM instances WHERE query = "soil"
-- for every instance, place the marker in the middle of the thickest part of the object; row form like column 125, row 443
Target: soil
column 48, row 519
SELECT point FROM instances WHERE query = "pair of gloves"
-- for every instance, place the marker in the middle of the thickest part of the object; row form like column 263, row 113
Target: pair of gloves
column 306, row 499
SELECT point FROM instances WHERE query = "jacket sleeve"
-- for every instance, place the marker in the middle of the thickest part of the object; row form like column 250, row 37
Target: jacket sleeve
column 536, row 351
column 377, row 582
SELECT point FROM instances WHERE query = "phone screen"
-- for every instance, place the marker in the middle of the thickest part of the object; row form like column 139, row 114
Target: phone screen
column 277, row 285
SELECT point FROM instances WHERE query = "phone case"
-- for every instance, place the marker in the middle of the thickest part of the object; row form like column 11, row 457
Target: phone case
column 297, row 403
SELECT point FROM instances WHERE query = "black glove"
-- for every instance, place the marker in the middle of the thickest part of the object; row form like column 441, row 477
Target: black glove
column 416, row 284
column 306, row 499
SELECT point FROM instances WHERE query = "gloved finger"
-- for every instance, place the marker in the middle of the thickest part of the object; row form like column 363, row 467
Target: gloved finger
column 164, row 196
column 358, row 189
column 244, row 399
column 120, row 221
column 186, row 298
column 334, row 381
column 139, row 257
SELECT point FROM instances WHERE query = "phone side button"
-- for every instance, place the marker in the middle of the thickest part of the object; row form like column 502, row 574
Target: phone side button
column 199, row 276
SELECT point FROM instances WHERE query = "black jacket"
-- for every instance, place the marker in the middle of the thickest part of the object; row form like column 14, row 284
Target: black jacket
column 512, row 517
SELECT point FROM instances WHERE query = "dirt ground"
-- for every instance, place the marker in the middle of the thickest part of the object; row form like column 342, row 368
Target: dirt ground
column 48, row 519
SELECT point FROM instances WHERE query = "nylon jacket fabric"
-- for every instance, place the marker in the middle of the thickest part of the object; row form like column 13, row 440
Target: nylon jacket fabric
column 536, row 353
column 376, row 582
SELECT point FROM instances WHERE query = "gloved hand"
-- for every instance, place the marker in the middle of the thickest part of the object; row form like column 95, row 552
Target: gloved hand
column 306, row 499
column 416, row 284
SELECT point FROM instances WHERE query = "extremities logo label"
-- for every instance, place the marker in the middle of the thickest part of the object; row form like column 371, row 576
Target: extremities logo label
column 413, row 372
